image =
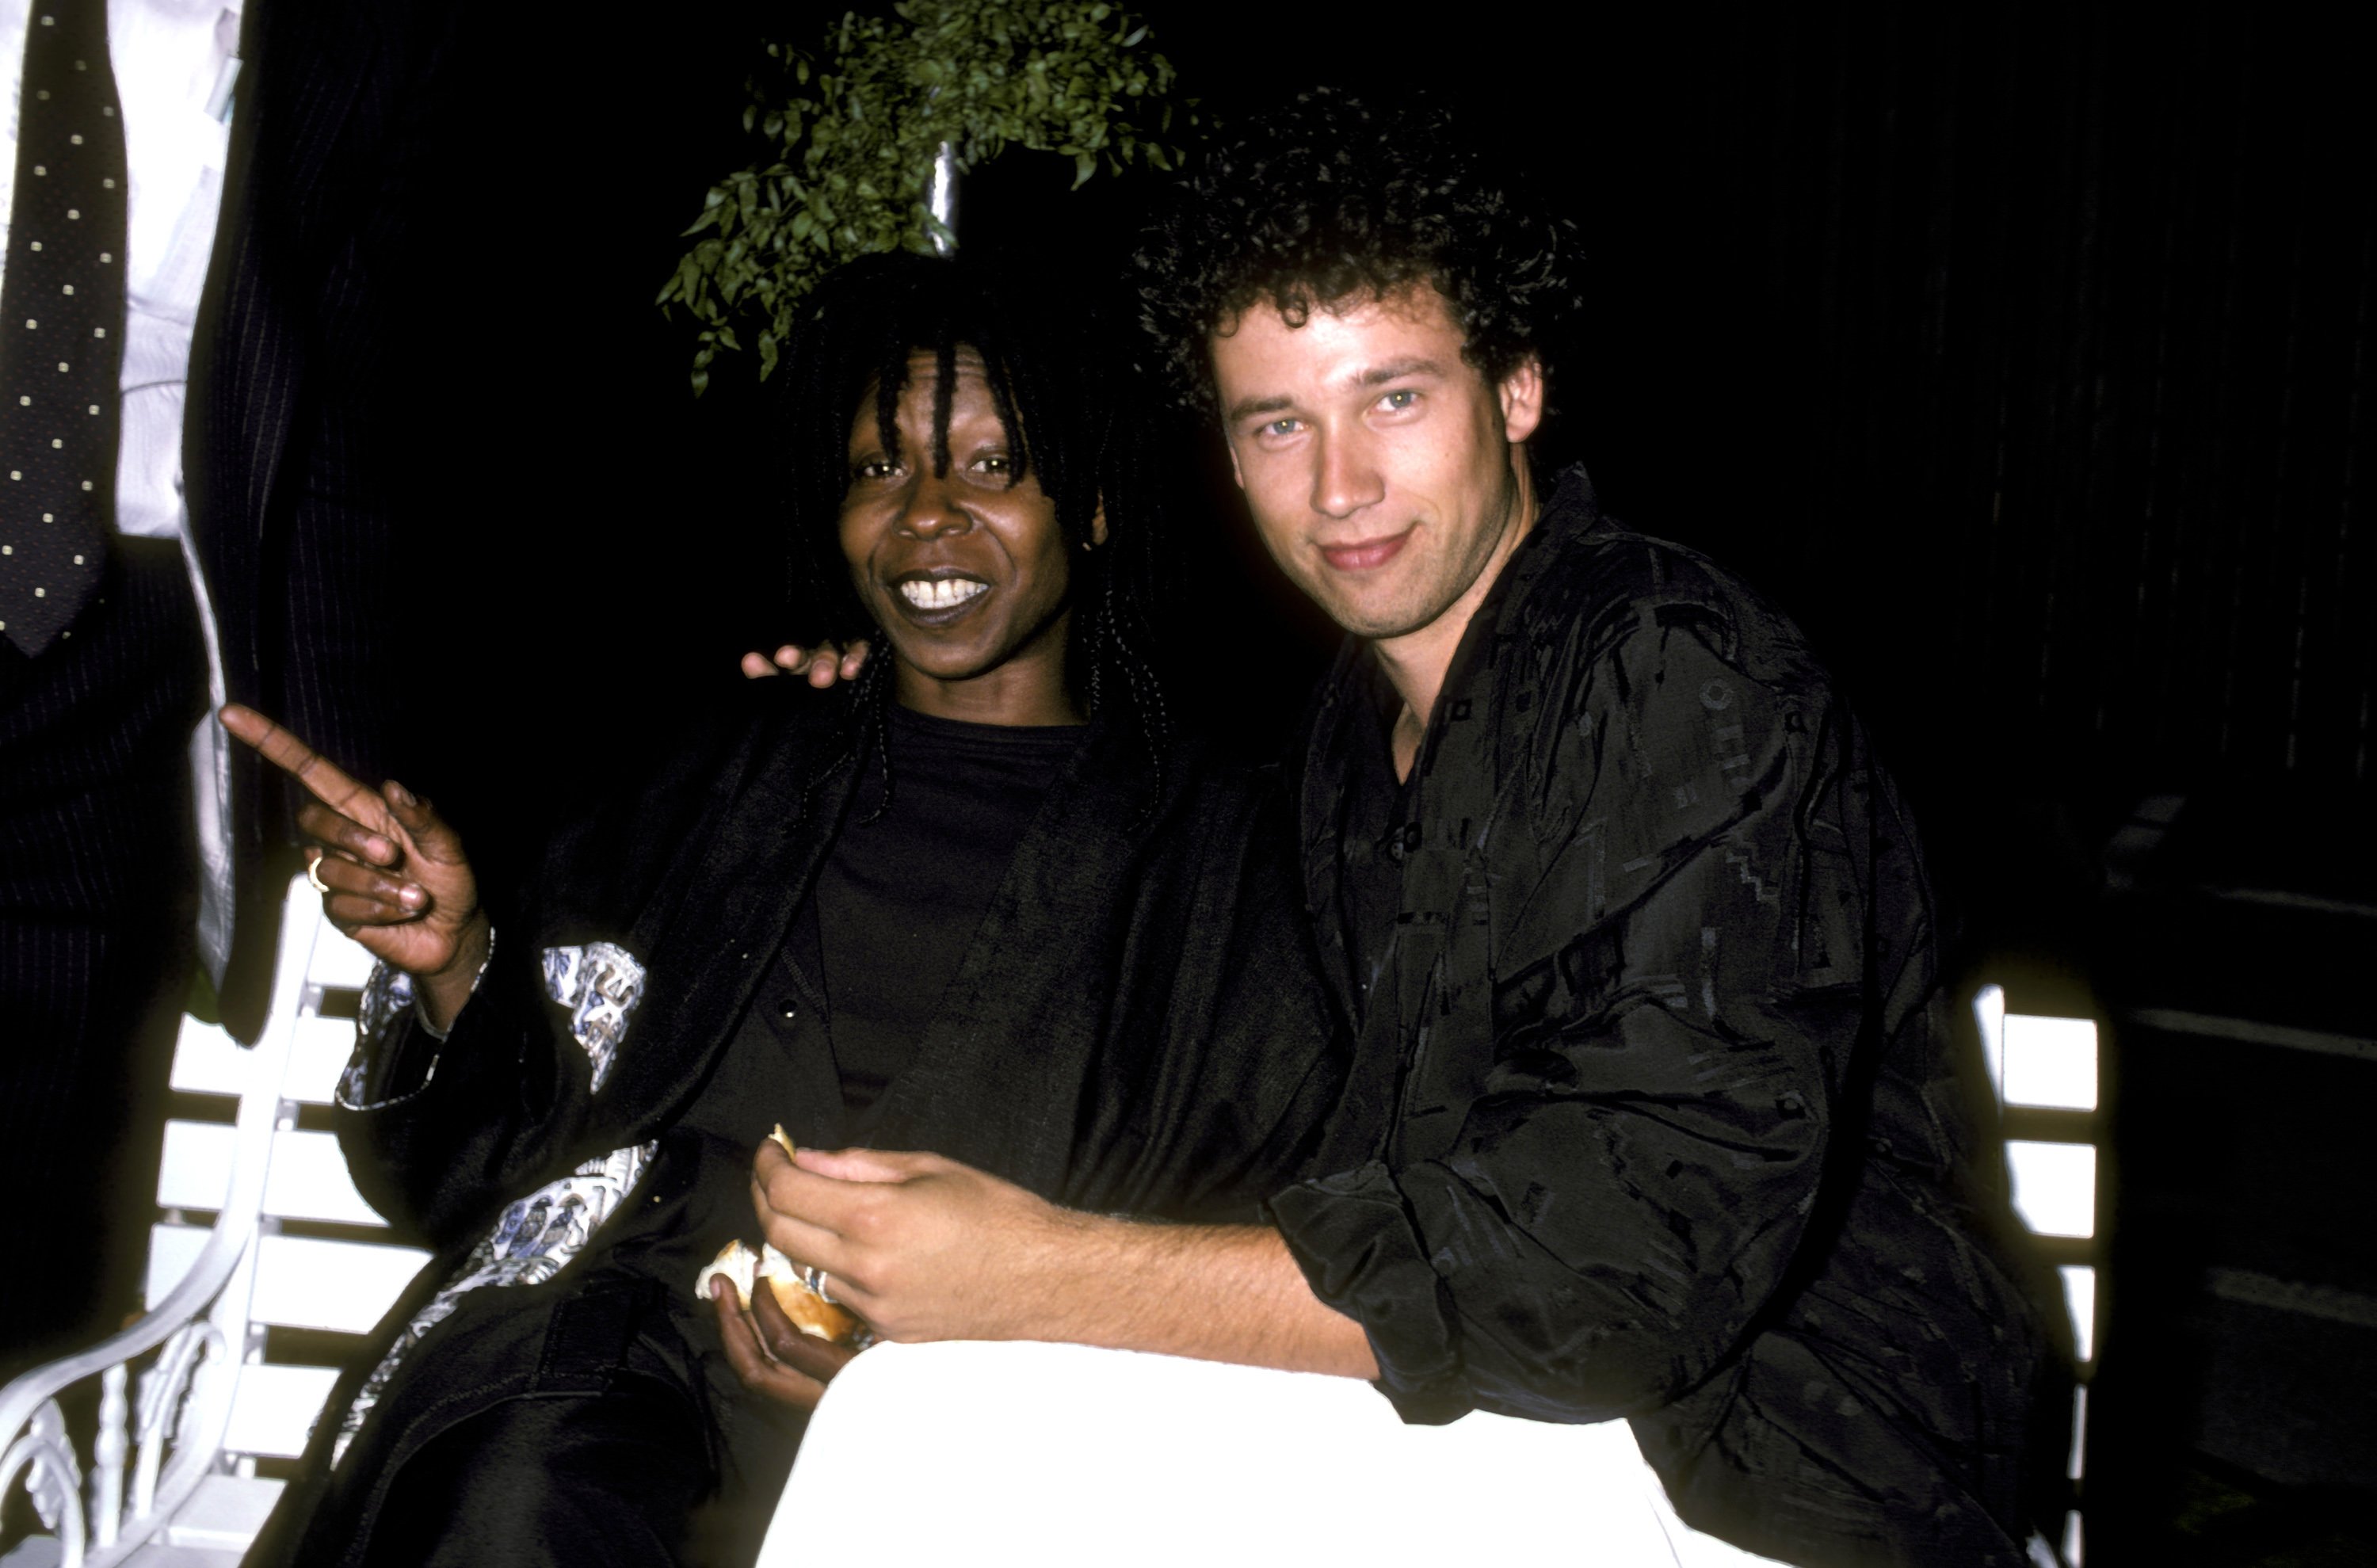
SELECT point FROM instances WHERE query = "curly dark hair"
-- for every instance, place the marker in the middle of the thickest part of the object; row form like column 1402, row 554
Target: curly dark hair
column 1067, row 426
column 1329, row 199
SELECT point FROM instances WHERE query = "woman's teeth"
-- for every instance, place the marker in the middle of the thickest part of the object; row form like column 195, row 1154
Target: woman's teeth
column 941, row 592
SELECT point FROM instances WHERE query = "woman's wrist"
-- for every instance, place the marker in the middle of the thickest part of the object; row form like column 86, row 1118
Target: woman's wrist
column 439, row 996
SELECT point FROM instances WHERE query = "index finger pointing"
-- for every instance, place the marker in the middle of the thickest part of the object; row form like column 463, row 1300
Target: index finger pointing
column 323, row 778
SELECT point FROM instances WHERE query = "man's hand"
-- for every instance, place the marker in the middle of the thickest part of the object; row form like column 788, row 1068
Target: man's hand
column 821, row 666
column 774, row 1360
column 396, row 880
column 922, row 1247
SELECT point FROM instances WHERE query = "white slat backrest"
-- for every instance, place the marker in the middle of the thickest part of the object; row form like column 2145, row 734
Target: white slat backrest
column 206, row 1060
column 222, row 1518
column 274, row 1408
column 301, row 1281
column 308, row 1178
column 340, row 962
column 209, row 1061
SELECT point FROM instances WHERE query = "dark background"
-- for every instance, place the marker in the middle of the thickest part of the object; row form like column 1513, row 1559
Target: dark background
column 2022, row 351
column 2019, row 351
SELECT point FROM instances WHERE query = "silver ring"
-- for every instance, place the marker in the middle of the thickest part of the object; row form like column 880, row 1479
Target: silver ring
column 313, row 874
column 814, row 1279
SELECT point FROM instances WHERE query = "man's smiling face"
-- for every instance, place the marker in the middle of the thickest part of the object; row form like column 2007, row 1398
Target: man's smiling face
column 1382, row 469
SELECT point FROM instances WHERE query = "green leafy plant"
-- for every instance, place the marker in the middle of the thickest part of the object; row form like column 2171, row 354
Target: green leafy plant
column 856, row 130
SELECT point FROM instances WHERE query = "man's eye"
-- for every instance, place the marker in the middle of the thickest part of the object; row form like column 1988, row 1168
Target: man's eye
column 1279, row 427
column 1401, row 398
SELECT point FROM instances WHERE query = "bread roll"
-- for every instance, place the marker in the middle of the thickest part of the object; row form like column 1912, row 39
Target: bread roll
column 811, row 1313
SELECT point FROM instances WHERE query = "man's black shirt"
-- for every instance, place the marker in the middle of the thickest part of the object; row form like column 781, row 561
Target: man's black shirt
column 1378, row 813
column 1656, row 1110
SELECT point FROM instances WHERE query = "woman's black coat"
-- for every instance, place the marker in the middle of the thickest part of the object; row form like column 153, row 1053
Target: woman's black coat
column 1137, row 1027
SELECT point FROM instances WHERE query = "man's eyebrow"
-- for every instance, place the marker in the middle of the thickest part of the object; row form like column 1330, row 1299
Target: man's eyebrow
column 1396, row 369
column 1370, row 375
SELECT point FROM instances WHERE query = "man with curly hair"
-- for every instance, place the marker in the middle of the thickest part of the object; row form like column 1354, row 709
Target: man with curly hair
column 1658, row 1112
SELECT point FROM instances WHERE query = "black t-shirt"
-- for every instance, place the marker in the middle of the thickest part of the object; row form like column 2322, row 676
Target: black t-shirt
column 899, row 899
column 895, row 907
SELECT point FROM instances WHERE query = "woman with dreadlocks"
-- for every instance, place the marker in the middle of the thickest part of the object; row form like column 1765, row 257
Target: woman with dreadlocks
column 980, row 901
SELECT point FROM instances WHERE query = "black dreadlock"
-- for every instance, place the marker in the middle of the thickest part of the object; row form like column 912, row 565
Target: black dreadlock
column 1049, row 384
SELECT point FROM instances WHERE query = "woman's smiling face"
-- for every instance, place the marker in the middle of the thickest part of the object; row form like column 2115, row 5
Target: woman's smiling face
column 965, row 570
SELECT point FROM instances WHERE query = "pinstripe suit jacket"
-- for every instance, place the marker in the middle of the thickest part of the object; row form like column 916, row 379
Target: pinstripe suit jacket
column 288, row 473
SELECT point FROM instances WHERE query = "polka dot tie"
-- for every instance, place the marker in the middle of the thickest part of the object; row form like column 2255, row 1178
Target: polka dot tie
column 61, row 326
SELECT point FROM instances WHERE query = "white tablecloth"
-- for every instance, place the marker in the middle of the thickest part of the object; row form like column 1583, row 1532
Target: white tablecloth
column 1058, row 1455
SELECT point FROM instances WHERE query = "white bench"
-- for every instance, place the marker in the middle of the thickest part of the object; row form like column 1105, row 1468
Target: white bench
column 171, row 1478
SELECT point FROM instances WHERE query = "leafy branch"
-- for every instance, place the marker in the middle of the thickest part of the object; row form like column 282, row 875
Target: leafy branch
column 856, row 130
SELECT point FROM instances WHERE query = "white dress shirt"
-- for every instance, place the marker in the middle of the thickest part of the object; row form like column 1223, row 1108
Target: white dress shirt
column 176, row 66
column 169, row 59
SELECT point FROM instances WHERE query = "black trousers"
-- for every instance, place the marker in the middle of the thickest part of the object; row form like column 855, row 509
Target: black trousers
column 590, row 1419
column 629, row 1477
column 577, row 1481
column 98, row 892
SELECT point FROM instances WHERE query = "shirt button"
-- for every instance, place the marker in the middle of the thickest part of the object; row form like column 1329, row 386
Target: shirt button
column 787, row 1008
